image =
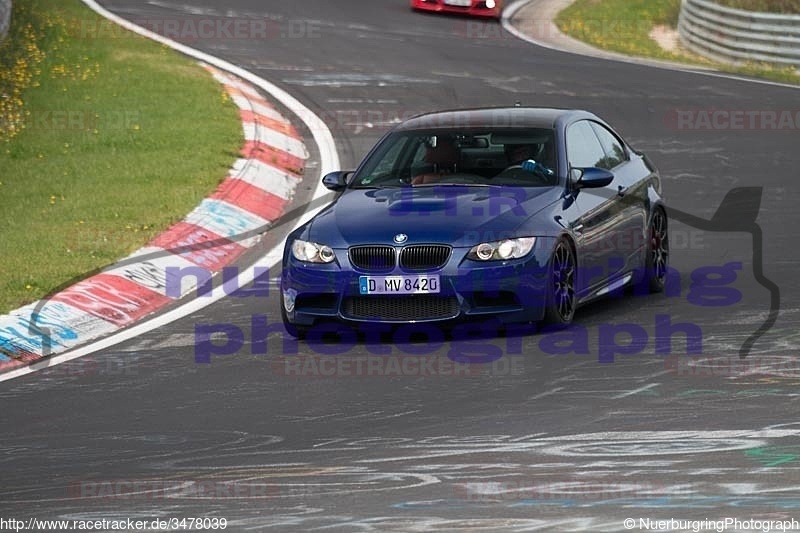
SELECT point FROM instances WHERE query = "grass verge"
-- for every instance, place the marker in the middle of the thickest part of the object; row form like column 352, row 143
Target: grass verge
column 624, row 26
column 106, row 139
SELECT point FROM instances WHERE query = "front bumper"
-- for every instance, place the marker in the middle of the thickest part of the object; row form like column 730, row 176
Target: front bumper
column 476, row 9
column 509, row 291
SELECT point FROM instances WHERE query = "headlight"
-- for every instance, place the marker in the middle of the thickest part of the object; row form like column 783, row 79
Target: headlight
column 502, row 250
column 312, row 252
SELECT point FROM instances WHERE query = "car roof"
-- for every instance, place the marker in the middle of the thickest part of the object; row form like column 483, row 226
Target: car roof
column 493, row 117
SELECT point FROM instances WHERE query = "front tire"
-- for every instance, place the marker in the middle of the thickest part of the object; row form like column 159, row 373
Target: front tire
column 657, row 251
column 561, row 298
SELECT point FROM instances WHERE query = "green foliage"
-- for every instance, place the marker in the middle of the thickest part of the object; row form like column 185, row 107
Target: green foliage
column 117, row 138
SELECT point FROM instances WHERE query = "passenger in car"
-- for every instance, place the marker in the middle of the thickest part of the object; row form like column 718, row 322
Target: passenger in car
column 443, row 160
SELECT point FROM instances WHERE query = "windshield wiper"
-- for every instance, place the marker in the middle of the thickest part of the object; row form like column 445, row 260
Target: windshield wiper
column 450, row 184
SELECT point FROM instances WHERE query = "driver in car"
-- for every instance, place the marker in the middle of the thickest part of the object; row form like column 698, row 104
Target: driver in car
column 519, row 153
column 526, row 157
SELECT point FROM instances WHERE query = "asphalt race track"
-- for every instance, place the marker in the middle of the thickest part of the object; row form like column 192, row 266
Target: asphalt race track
column 517, row 437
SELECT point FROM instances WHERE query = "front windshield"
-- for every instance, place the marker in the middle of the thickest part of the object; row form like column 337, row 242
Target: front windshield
column 518, row 157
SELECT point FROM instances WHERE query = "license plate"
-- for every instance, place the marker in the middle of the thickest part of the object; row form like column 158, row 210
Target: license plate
column 460, row 3
column 398, row 284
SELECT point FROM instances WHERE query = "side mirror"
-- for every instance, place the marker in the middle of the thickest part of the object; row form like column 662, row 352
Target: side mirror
column 336, row 181
column 594, row 178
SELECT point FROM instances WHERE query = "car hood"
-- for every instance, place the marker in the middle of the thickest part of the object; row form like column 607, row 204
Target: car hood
column 457, row 215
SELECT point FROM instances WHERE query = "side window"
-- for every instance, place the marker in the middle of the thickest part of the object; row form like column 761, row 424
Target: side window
column 615, row 154
column 583, row 148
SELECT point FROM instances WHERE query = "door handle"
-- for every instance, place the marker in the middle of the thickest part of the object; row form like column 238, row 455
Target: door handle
column 621, row 190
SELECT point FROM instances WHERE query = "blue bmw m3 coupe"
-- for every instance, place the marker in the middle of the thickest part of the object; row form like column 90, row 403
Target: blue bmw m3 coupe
column 515, row 214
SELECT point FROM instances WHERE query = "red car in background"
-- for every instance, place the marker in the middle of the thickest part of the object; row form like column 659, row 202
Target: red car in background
column 478, row 8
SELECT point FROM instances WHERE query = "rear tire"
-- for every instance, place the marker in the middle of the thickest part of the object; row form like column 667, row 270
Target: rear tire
column 561, row 299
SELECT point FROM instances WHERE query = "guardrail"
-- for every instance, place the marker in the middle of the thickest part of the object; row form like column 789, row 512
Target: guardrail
column 5, row 18
column 736, row 36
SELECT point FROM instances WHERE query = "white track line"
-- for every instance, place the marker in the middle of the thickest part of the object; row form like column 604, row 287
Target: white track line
column 329, row 161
